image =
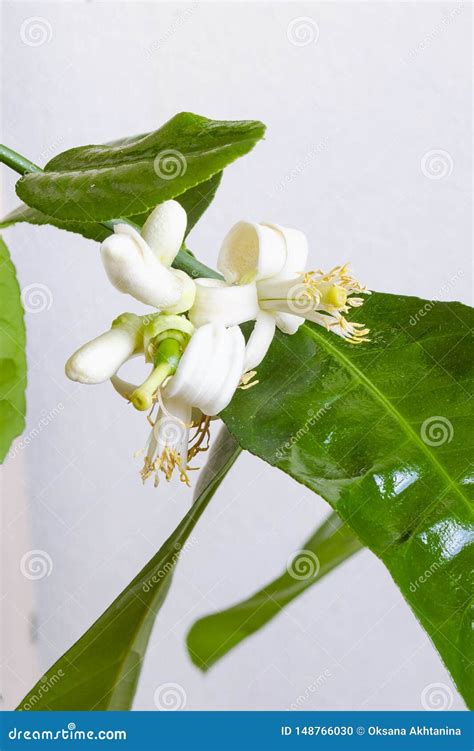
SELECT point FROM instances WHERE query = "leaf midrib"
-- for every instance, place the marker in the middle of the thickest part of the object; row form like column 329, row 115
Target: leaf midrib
column 137, row 160
column 391, row 409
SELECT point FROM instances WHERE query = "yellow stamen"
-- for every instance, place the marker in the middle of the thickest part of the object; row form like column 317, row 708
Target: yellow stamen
column 246, row 380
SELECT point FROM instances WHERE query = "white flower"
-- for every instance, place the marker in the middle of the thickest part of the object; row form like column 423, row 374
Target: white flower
column 205, row 380
column 138, row 263
column 194, row 374
column 263, row 267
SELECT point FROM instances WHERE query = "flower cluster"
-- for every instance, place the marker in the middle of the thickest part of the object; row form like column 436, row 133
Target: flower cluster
column 192, row 339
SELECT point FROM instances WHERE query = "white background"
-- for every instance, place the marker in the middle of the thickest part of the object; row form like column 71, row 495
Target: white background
column 351, row 117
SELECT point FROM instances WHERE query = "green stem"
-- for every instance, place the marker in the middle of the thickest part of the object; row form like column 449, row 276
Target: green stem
column 183, row 261
column 17, row 162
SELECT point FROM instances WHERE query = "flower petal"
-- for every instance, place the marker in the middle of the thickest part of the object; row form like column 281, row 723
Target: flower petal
column 171, row 430
column 227, row 368
column 250, row 252
column 124, row 388
column 296, row 246
column 99, row 359
column 164, row 231
column 133, row 269
column 219, row 302
column 192, row 366
column 288, row 323
column 210, row 368
column 260, row 340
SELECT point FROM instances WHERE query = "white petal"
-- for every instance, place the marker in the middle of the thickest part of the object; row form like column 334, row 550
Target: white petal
column 296, row 251
column 133, row 269
column 164, row 231
column 292, row 295
column 124, row 388
column 227, row 368
column 288, row 323
column 210, row 369
column 260, row 340
column 171, row 430
column 193, row 365
column 99, row 359
column 217, row 301
column 251, row 251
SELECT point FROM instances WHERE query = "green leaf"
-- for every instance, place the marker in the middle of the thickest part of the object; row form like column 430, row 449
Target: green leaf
column 211, row 637
column 382, row 431
column 26, row 213
column 195, row 201
column 12, row 355
column 101, row 670
column 96, row 183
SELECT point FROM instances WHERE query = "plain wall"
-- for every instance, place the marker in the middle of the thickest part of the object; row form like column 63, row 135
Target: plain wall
column 352, row 116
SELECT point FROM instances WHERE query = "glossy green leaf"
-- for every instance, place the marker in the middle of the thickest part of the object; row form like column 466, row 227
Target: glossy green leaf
column 96, row 183
column 100, row 671
column 211, row 637
column 382, row 431
column 12, row 354
column 195, row 201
